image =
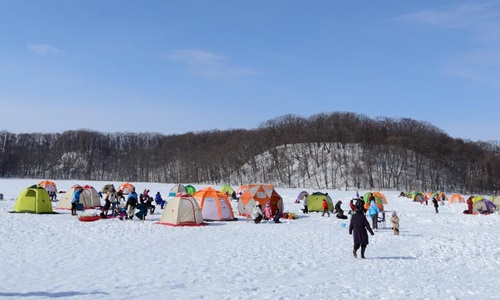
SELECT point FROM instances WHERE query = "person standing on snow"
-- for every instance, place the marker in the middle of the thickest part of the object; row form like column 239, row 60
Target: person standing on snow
column 358, row 228
column 395, row 223
column 75, row 201
column 305, row 210
column 373, row 213
column 131, row 204
column 325, row 208
column 268, row 212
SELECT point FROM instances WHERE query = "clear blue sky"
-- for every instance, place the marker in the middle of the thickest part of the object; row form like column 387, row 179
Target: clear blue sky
column 194, row 65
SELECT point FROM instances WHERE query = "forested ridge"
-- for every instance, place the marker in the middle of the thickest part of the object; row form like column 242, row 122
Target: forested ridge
column 330, row 150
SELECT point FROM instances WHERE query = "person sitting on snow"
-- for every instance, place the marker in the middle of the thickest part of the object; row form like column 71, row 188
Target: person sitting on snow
column 142, row 210
column 257, row 213
column 339, row 210
column 159, row 200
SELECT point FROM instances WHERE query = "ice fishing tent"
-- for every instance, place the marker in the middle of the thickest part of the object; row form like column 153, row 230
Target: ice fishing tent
column 496, row 201
column 215, row 205
column 178, row 188
column 440, row 196
column 48, row 185
column 126, row 188
column 380, row 200
column 241, row 190
column 34, row 199
column 182, row 210
column 89, row 197
column 262, row 193
column 418, row 197
column 456, row 198
column 226, row 188
column 190, row 189
column 301, row 196
column 108, row 188
column 315, row 201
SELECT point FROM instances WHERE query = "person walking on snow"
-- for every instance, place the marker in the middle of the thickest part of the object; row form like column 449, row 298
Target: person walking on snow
column 358, row 229
column 436, row 204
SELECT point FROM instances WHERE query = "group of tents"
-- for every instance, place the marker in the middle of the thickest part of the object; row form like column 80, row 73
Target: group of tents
column 315, row 200
column 186, row 207
column 480, row 204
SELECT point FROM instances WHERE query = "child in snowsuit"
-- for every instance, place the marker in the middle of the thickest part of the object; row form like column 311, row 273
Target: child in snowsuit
column 325, row 208
column 268, row 212
column 395, row 223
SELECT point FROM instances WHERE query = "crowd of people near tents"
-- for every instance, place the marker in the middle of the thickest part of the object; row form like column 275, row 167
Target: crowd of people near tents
column 189, row 207
column 186, row 206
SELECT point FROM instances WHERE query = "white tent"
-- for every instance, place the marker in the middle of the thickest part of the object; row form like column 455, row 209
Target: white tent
column 89, row 197
column 215, row 205
column 182, row 210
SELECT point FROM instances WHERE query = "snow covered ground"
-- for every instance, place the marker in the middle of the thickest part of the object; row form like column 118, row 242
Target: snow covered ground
column 437, row 256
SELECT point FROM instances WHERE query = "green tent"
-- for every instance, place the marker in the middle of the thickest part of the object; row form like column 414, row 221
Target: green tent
column 190, row 189
column 315, row 202
column 378, row 200
column 108, row 188
column 34, row 199
column 227, row 188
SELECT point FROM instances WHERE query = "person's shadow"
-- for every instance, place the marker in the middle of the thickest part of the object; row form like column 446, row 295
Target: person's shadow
column 50, row 295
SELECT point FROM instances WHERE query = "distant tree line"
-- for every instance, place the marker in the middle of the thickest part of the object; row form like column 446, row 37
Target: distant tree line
column 338, row 150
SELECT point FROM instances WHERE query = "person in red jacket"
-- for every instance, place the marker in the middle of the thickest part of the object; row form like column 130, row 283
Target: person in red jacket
column 469, row 204
column 325, row 208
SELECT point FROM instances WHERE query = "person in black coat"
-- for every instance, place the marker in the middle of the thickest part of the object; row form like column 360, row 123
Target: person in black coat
column 436, row 205
column 358, row 228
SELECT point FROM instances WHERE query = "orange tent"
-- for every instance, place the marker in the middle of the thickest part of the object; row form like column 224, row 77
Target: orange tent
column 456, row 198
column 48, row 185
column 126, row 188
column 241, row 189
column 215, row 205
column 262, row 193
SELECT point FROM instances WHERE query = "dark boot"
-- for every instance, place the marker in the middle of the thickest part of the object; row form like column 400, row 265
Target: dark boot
column 355, row 250
column 363, row 248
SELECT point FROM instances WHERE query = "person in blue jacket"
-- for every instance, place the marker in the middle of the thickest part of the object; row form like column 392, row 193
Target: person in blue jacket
column 373, row 213
column 159, row 200
column 75, row 201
